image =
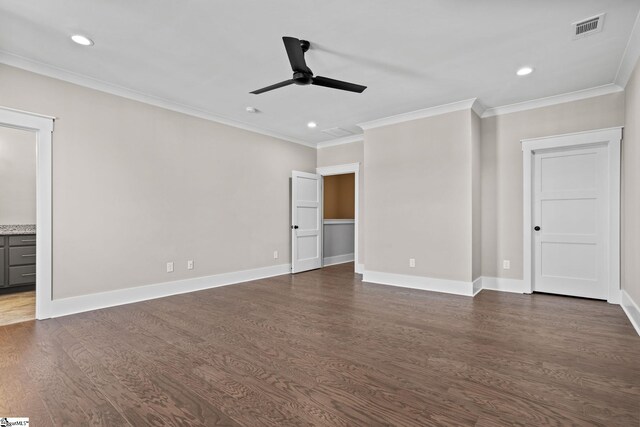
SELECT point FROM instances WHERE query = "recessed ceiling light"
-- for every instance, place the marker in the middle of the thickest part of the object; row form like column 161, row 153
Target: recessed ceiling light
column 524, row 71
column 312, row 125
column 82, row 40
column 251, row 110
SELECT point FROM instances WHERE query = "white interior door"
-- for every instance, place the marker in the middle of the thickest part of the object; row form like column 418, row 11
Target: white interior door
column 306, row 217
column 570, row 219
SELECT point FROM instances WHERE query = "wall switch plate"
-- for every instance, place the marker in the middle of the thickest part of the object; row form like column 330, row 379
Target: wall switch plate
column 506, row 264
column 170, row 267
column 275, row 254
column 412, row 262
column 190, row 264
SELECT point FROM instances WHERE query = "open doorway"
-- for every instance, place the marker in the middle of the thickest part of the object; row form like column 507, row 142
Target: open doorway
column 351, row 184
column 26, row 243
column 307, row 219
column 338, row 219
column 17, row 225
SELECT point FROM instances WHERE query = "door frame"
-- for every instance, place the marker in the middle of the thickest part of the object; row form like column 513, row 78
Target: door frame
column 43, row 127
column 609, row 138
column 341, row 170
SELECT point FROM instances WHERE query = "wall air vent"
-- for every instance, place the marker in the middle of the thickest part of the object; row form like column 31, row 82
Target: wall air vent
column 337, row 132
column 589, row 26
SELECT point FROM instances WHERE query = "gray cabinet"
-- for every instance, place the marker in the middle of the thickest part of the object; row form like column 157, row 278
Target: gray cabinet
column 3, row 280
column 17, row 260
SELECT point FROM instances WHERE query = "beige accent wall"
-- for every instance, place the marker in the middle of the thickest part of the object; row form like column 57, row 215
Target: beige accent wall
column 135, row 186
column 17, row 176
column 345, row 154
column 339, row 196
column 502, row 169
column 631, row 189
column 419, row 199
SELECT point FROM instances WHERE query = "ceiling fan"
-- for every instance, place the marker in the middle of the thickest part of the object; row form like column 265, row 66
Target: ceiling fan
column 302, row 75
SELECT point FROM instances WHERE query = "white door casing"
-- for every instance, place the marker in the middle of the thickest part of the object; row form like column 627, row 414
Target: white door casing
column 353, row 168
column 43, row 128
column 570, row 222
column 580, row 204
column 306, row 221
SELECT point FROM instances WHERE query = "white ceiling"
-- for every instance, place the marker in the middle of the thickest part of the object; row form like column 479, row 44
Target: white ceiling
column 412, row 54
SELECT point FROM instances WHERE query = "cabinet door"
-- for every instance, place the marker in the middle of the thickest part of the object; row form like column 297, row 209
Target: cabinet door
column 22, row 255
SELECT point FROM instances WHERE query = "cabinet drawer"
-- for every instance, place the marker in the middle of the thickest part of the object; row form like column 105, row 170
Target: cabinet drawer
column 22, row 255
column 23, row 240
column 2, row 267
column 22, row 275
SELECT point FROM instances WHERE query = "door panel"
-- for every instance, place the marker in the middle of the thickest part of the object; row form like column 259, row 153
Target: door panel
column 570, row 207
column 306, row 227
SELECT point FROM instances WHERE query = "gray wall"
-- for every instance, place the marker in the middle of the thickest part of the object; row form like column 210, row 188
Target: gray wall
column 502, row 169
column 419, row 197
column 135, row 186
column 631, row 190
column 17, row 177
column 338, row 239
column 344, row 154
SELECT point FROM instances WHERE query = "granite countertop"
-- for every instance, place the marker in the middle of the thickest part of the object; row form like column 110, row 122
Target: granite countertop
column 9, row 230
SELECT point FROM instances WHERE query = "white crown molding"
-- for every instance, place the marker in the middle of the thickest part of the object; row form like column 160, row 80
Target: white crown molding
column 421, row 114
column 478, row 108
column 340, row 141
column 102, row 86
column 630, row 56
column 631, row 309
column 79, row 304
column 553, row 100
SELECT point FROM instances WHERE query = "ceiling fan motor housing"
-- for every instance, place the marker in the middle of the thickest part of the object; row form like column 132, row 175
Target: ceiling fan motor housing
column 302, row 78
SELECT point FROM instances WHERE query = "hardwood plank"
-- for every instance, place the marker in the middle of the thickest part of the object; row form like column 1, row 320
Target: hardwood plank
column 324, row 348
column 17, row 307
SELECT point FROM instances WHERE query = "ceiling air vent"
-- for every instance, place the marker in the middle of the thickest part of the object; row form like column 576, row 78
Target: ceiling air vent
column 588, row 26
column 337, row 132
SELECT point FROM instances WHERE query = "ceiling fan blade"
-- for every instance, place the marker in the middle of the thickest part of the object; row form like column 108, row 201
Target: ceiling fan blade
column 296, row 55
column 337, row 84
column 272, row 87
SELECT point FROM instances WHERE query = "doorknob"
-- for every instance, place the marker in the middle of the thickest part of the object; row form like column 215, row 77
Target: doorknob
column 294, row 227
column 537, row 228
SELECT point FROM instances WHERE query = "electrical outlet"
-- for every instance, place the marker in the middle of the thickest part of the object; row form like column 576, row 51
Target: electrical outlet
column 506, row 264
column 190, row 264
column 275, row 254
column 170, row 267
column 412, row 262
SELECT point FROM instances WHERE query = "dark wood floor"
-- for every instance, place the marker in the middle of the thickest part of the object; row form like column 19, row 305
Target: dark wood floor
column 322, row 348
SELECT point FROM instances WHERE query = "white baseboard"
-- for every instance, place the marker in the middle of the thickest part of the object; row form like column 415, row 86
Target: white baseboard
column 419, row 282
column 477, row 286
column 631, row 309
column 359, row 268
column 79, row 304
column 443, row 285
column 503, row 284
column 338, row 259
